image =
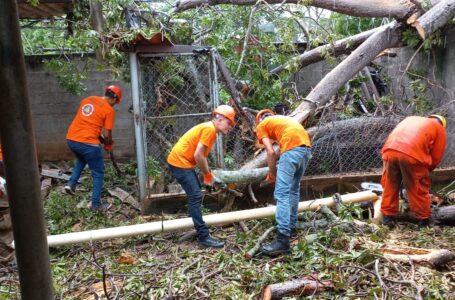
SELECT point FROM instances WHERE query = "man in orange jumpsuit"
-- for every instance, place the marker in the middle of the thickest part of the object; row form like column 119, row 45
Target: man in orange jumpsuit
column 295, row 153
column 192, row 150
column 413, row 149
column 83, row 138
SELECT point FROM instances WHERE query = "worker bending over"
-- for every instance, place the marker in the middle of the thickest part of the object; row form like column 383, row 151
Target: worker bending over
column 192, row 150
column 412, row 150
column 83, row 138
column 294, row 155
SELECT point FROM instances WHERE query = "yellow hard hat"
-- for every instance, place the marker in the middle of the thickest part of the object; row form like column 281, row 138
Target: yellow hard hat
column 262, row 112
column 440, row 118
column 226, row 111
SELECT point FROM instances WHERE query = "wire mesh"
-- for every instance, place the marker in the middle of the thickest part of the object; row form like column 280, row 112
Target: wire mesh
column 178, row 92
column 176, row 95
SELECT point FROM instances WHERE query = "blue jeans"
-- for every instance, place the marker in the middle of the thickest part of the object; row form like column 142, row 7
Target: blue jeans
column 189, row 181
column 93, row 156
column 291, row 166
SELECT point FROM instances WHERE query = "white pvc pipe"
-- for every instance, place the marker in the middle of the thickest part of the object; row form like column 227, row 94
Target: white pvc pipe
column 187, row 223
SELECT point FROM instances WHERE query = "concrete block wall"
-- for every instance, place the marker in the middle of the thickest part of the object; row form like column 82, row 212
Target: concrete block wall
column 53, row 110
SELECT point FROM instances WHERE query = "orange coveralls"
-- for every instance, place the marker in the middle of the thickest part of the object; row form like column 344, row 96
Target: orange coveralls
column 413, row 149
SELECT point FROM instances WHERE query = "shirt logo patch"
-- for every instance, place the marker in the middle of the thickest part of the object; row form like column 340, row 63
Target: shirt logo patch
column 87, row 110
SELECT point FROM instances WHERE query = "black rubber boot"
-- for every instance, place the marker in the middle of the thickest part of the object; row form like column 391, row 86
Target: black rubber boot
column 423, row 223
column 277, row 247
column 389, row 221
column 210, row 242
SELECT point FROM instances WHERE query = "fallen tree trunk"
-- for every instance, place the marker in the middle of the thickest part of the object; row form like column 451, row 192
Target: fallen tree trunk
column 386, row 37
column 433, row 258
column 398, row 9
column 241, row 176
column 435, row 18
column 298, row 287
column 338, row 48
column 444, row 215
column 187, row 223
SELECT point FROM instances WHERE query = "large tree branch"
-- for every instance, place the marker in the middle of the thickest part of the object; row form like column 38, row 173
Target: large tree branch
column 398, row 9
column 435, row 18
column 338, row 48
column 386, row 37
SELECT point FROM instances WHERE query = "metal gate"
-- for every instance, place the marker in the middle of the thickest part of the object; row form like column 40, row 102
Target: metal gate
column 176, row 92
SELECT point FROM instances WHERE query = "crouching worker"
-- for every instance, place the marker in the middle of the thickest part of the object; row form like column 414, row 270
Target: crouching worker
column 412, row 150
column 192, row 150
column 295, row 153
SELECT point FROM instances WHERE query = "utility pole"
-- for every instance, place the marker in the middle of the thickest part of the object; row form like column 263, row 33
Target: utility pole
column 21, row 165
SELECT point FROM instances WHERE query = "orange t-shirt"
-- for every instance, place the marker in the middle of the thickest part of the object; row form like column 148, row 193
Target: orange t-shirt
column 285, row 130
column 419, row 137
column 94, row 113
column 182, row 154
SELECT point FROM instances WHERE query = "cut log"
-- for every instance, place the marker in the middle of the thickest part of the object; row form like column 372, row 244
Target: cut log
column 444, row 215
column 435, row 18
column 297, row 287
column 433, row 258
column 398, row 9
column 241, row 176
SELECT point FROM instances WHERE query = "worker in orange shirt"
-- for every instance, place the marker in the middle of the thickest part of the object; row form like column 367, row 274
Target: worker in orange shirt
column 6, row 229
column 294, row 155
column 412, row 150
column 95, row 114
column 192, row 150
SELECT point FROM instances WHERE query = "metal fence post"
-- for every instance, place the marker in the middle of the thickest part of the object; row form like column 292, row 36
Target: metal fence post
column 138, row 127
column 216, row 101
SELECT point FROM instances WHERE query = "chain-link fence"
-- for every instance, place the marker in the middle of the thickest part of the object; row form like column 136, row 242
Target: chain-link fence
column 177, row 93
column 180, row 91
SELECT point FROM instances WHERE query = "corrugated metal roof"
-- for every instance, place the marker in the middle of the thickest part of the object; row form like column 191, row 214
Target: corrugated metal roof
column 45, row 9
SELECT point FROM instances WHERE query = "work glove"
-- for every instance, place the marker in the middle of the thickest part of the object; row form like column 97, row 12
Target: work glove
column 212, row 182
column 108, row 147
column 270, row 178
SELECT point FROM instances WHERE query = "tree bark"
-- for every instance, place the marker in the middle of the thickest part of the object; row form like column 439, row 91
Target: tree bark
column 444, row 215
column 433, row 258
column 299, row 287
column 343, row 46
column 435, row 18
column 241, row 176
column 230, row 86
column 398, row 9
column 386, row 37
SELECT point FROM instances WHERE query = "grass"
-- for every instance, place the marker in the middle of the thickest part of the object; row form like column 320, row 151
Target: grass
column 156, row 267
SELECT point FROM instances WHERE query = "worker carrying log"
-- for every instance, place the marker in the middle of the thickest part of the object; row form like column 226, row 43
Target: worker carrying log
column 412, row 150
column 95, row 114
column 6, row 229
column 294, row 155
column 192, row 150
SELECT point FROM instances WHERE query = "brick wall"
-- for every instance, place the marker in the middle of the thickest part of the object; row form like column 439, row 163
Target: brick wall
column 53, row 109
